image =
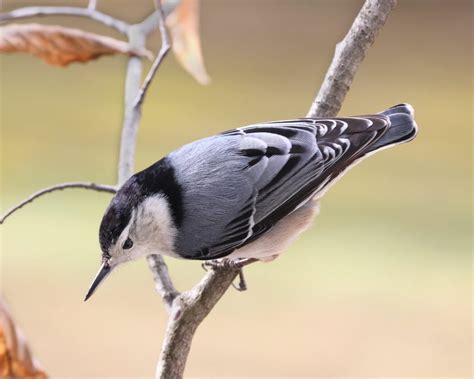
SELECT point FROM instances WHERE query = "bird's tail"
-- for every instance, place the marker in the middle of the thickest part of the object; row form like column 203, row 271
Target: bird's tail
column 402, row 127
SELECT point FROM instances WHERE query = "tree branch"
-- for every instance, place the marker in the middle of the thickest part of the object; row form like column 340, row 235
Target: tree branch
column 349, row 54
column 132, row 115
column 89, row 12
column 163, row 284
column 187, row 313
column 57, row 187
column 165, row 48
column 134, row 94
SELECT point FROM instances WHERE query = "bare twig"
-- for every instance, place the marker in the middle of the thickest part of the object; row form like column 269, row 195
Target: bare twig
column 58, row 187
column 132, row 116
column 134, row 95
column 165, row 48
column 162, row 279
column 93, row 14
column 349, row 54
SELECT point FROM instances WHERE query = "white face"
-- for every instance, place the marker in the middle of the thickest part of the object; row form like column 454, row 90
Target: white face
column 150, row 230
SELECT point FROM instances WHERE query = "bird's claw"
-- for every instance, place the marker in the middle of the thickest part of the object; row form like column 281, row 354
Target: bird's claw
column 228, row 264
column 231, row 264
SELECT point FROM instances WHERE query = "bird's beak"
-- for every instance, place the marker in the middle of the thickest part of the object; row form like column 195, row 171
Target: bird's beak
column 104, row 271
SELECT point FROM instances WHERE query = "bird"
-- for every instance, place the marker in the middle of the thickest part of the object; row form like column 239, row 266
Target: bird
column 246, row 193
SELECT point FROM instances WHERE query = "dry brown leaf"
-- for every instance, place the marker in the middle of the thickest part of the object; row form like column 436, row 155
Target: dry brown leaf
column 60, row 46
column 183, row 24
column 16, row 360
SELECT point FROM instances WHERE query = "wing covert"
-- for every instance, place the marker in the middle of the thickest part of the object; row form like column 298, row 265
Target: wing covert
column 269, row 170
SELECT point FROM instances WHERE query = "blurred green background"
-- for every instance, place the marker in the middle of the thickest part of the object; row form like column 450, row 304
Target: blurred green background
column 380, row 286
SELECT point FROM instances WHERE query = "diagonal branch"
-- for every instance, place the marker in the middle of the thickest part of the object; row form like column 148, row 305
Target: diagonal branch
column 349, row 54
column 165, row 48
column 57, row 187
column 89, row 12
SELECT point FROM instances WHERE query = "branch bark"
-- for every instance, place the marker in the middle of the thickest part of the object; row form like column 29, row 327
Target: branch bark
column 188, row 311
column 163, row 284
column 57, row 187
column 349, row 54
column 165, row 48
column 134, row 94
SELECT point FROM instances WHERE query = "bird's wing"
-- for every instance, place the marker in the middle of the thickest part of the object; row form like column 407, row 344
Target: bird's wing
column 271, row 169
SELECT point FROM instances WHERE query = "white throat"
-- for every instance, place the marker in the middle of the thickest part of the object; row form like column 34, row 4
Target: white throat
column 154, row 229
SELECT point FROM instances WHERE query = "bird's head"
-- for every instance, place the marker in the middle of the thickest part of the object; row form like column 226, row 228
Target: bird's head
column 137, row 222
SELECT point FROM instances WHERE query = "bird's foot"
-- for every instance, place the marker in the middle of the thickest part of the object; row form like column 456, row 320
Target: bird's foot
column 231, row 264
column 228, row 264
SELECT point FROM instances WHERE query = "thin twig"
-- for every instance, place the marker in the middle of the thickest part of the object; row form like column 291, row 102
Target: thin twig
column 151, row 22
column 165, row 47
column 57, row 187
column 93, row 14
column 349, row 54
column 162, row 279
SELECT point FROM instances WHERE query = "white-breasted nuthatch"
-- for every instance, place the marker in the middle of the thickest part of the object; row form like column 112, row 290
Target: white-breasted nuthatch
column 245, row 193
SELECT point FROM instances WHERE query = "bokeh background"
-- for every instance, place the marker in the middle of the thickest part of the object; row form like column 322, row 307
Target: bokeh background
column 380, row 286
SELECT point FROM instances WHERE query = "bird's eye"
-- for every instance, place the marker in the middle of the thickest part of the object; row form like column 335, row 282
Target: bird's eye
column 128, row 244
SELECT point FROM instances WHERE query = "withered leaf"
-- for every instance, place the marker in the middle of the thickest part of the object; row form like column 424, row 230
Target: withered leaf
column 183, row 24
column 16, row 360
column 60, row 46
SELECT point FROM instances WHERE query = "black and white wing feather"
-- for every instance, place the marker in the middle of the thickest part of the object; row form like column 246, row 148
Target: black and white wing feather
column 259, row 174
